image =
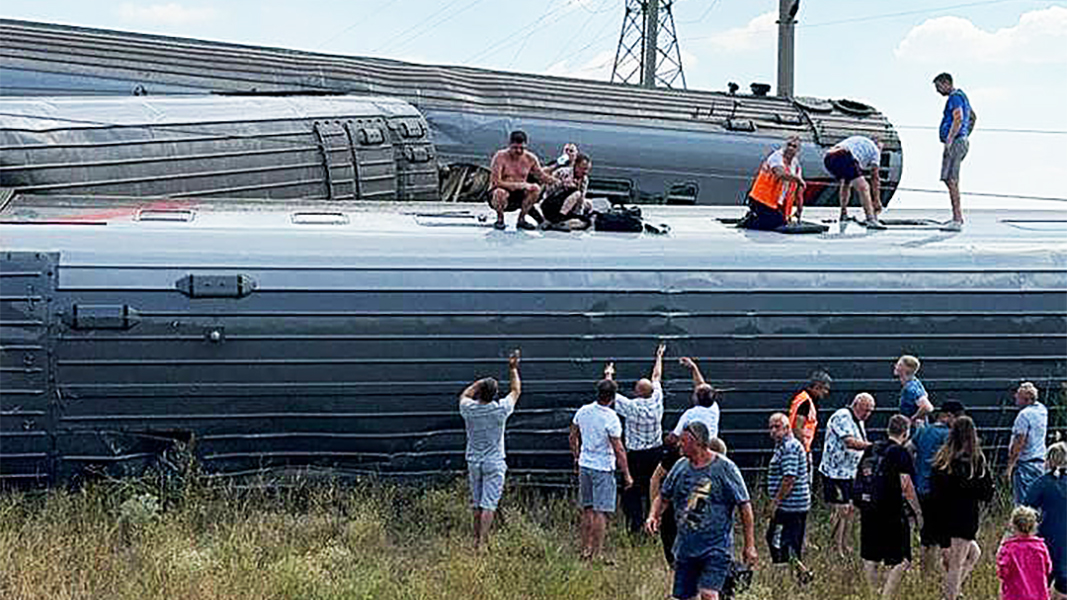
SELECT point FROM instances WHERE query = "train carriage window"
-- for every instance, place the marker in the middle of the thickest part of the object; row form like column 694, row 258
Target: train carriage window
column 683, row 193
column 319, row 218
column 167, row 215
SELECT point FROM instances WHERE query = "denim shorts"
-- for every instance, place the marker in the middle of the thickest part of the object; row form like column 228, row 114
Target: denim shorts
column 706, row 572
column 596, row 489
column 487, row 483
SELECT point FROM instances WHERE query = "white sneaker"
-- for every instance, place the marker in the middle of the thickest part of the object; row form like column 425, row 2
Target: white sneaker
column 952, row 226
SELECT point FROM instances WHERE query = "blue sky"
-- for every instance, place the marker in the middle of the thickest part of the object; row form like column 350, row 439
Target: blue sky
column 1010, row 56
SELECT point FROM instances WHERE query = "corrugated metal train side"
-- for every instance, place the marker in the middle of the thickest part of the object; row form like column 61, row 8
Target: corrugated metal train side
column 274, row 347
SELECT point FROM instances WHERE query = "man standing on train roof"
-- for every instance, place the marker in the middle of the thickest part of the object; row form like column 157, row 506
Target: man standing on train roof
column 957, row 123
column 643, row 434
column 849, row 162
column 779, row 186
column 509, row 188
column 485, row 418
column 803, row 413
column 914, row 402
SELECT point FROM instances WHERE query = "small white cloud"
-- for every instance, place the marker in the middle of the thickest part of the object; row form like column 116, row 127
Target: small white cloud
column 750, row 37
column 1038, row 38
column 598, row 67
column 166, row 14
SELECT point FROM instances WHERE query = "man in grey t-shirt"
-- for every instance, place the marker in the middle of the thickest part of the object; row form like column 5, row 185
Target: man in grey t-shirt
column 485, row 418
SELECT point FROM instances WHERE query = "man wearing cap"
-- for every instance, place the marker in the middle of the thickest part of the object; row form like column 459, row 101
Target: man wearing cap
column 803, row 416
column 704, row 488
column 1026, row 454
column 923, row 445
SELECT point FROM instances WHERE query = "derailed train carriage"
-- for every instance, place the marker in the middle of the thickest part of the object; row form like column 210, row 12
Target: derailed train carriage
column 649, row 146
column 263, row 336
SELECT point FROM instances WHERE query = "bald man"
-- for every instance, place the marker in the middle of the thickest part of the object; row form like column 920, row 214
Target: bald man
column 643, row 436
column 846, row 439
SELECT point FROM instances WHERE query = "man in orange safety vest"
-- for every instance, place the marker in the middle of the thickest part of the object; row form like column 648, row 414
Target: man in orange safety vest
column 778, row 188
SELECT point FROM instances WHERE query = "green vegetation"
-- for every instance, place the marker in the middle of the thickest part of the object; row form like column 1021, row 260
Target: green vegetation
column 117, row 540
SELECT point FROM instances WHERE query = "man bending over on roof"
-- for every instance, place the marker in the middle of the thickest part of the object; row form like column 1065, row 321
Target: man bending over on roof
column 508, row 185
column 778, row 186
column 851, row 160
column 565, row 199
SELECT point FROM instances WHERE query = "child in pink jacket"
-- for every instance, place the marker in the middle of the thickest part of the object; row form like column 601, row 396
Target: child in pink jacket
column 1023, row 563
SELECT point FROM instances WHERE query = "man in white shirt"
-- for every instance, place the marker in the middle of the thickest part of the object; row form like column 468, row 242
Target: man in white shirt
column 705, row 409
column 596, row 443
column 643, row 424
column 849, row 162
column 485, row 418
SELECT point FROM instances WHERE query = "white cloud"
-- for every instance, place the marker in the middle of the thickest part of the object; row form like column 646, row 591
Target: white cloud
column 750, row 37
column 598, row 67
column 166, row 14
column 1039, row 37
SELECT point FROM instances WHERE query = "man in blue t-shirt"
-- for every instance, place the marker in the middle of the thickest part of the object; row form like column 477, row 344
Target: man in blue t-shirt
column 923, row 446
column 914, row 402
column 704, row 488
column 957, row 123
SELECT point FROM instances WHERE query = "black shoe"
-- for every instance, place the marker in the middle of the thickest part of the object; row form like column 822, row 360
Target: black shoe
column 500, row 225
column 524, row 224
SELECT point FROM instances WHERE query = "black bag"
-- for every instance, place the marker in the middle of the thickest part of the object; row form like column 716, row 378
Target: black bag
column 620, row 218
column 738, row 579
column 870, row 477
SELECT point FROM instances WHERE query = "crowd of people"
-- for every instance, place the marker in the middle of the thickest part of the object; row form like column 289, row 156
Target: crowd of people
column 928, row 471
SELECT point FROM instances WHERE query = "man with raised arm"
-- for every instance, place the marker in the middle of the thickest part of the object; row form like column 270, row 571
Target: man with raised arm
column 596, row 443
column 705, row 409
column 704, row 488
column 643, row 426
column 485, row 418
column 509, row 188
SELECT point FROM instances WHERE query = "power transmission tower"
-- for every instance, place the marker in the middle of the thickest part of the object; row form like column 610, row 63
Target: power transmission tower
column 648, row 52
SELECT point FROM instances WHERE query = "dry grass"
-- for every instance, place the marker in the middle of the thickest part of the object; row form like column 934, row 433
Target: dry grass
column 114, row 540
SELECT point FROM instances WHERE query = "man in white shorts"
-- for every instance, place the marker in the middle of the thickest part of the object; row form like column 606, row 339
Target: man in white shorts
column 485, row 418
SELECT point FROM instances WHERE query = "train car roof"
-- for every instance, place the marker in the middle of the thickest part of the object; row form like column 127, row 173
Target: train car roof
column 432, row 237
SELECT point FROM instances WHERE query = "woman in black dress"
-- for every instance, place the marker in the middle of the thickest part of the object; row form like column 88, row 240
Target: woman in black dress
column 961, row 479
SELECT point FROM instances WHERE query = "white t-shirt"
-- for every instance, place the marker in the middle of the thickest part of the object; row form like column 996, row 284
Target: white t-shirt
column 708, row 415
column 777, row 159
column 597, row 423
column 863, row 149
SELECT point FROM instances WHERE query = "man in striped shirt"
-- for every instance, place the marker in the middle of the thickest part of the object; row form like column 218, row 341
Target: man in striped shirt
column 789, row 486
column 643, row 434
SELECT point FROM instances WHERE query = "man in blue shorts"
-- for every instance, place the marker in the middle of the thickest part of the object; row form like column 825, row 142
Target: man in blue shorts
column 704, row 488
column 957, row 123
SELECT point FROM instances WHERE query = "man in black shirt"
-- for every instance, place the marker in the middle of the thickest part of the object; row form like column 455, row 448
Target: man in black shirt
column 885, row 533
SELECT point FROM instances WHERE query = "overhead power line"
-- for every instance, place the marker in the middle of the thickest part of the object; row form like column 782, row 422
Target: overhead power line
column 993, row 129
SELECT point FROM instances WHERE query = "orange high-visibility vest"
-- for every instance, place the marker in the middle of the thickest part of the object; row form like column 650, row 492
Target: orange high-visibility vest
column 811, row 419
column 772, row 191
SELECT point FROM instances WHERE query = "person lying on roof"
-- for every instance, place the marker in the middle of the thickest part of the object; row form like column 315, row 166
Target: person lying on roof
column 778, row 188
column 565, row 200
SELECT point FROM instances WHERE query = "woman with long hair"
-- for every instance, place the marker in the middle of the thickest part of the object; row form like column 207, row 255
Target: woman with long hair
column 960, row 481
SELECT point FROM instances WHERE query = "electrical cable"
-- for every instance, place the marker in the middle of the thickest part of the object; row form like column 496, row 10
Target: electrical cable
column 361, row 21
column 416, row 26
column 992, row 129
column 511, row 36
column 438, row 23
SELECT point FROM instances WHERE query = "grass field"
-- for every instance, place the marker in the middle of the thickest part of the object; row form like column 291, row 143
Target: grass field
column 315, row 540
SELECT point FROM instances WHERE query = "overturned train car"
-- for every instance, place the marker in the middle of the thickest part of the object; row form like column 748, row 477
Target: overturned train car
column 262, row 336
column 648, row 146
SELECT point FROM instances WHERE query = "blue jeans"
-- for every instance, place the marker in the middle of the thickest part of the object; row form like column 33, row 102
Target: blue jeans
column 1023, row 476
